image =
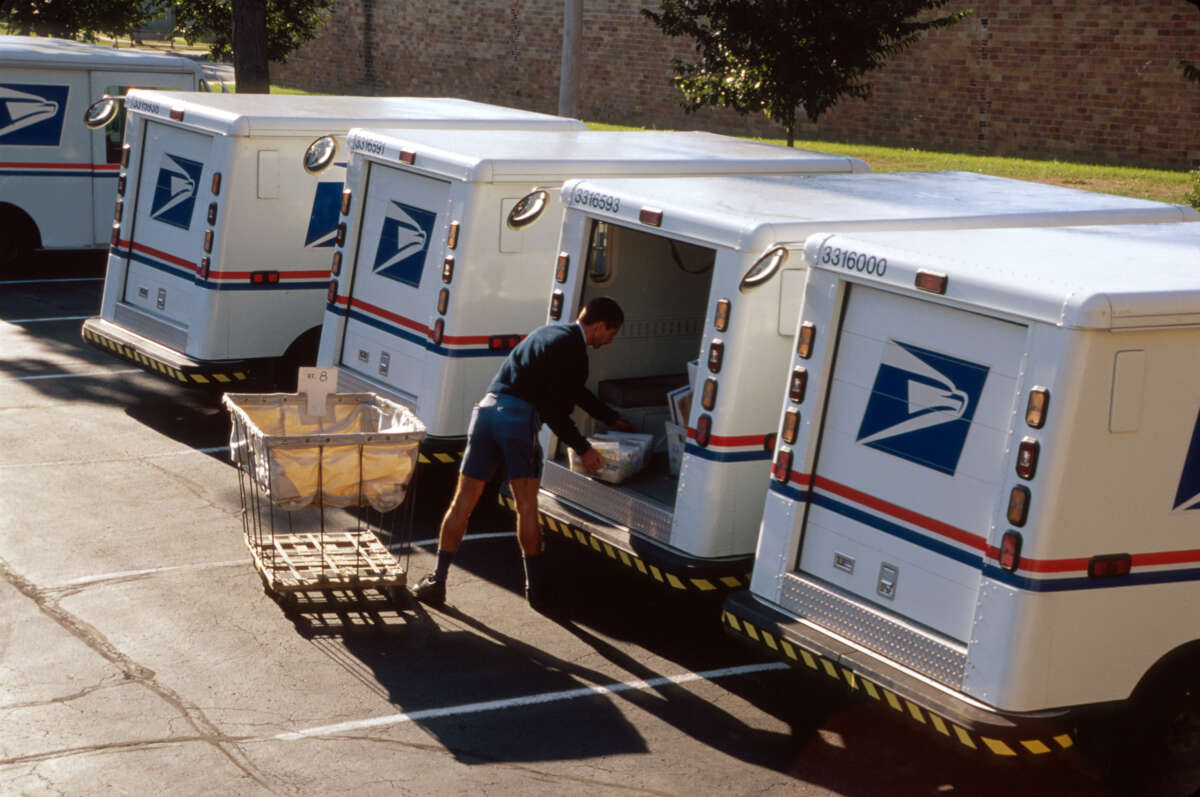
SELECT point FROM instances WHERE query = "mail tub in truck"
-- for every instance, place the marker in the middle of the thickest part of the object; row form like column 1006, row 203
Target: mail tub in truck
column 985, row 499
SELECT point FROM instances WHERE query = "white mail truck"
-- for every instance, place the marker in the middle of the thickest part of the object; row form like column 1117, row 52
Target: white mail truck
column 57, row 178
column 984, row 506
column 441, row 269
column 685, row 259
column 226, row 215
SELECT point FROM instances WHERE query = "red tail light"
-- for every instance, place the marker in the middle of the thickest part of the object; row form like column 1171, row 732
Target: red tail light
column 332, row 296
column 1110, row 565
column 716, row 352
column 1010, row 550
column 556, row 305
column 651, row 216
column 1027, row 458
column 782, row 470
column 798, row 385
column 439, row 331
column 703, row 430
column 562, row 268
column 205, row 267
column 503, row 342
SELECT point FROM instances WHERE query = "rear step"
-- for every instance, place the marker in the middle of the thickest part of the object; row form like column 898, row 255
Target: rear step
column 667, row 567
column 969, row 724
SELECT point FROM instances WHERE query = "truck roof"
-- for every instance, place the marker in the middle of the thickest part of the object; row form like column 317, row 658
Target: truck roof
column 751, row 213
column 41, row 52
column 315, row 115
column 486, row 156
column 1099, row 277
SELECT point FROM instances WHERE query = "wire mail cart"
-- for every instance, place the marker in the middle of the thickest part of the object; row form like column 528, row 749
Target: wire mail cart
column 318, row 490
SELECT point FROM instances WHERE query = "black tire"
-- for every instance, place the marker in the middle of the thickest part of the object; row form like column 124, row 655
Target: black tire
column 1168, row 720
column 302, row 352
column 17, row 238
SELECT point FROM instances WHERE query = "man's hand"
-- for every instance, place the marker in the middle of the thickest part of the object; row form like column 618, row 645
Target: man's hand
column 592, row 461
column 622, row 425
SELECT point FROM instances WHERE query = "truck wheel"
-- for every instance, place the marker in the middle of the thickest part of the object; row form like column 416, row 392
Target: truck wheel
column 17, row 237
column 1153, row 747
column 302, row 352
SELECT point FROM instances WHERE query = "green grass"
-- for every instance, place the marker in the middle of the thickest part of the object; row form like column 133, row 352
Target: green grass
column 1163, row 185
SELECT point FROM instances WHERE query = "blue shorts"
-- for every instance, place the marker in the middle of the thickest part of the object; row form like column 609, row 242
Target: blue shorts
column 503, row 432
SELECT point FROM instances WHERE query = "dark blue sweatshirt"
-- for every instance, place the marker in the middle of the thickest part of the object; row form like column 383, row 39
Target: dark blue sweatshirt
column 549, row 369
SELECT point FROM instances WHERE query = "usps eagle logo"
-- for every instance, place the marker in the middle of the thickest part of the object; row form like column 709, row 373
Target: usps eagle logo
column 404, row 242
column 32, row 115
column 326, row 207
column 921, row 406
column 175, row 190
column 1187, row 496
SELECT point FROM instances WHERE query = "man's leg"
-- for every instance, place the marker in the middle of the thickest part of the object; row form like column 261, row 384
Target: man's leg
column 529, row 535
column 432, row 588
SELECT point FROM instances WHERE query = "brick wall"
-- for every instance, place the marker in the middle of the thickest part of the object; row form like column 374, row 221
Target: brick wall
column 1090, row 81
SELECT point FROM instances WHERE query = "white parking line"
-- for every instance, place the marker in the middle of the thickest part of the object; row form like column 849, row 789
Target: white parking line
column 59, row 279
column 58, row 463
column 89, row 374
column 529, row 700
column 150, row 571
column 44, row 320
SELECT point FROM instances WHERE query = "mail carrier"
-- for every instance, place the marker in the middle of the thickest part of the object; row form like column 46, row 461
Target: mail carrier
column 58, row 178
column 684, row 258
column 985, row 501
column 443, row 265
column 221, row 241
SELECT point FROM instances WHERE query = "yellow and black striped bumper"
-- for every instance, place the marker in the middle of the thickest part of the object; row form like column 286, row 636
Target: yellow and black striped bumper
column 677, row 577
column 157, row 359
column 960, row 722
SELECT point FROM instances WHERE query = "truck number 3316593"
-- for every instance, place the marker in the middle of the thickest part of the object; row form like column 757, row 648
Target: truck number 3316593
column 594, row 199
column 854, row 261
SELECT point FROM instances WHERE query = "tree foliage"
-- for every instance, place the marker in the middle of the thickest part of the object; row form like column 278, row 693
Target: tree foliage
column 290, row 24
column 78, row 19
column 1191, row 71
column 778, row 56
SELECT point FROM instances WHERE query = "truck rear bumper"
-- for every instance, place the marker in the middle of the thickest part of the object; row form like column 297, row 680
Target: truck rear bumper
column 671, row 569
column 939, row 711
column 163, row 361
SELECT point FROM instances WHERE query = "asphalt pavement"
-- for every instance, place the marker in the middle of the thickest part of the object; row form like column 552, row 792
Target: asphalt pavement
column 140, row 652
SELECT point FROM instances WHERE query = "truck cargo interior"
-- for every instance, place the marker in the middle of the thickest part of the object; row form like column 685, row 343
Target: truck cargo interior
column 643, row 370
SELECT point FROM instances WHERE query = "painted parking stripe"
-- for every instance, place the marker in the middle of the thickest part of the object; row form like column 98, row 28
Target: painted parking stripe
column 530, row 700
column 58, row 463
column 45, row 320
column 45, row 281
column 88, row 375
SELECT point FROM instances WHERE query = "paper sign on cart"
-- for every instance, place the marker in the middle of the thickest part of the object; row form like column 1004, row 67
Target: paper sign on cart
column 316, row 384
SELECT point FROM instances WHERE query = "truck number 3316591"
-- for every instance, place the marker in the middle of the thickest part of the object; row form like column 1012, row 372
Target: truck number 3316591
column 854, row 261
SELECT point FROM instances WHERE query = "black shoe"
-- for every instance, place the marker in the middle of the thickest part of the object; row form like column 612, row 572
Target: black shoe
column 538, row 598
column 430, row 591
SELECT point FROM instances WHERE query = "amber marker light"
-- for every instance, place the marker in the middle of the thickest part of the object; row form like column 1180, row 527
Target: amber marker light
column 1035, row 409
column 804, row 340
column 721, row 319
column 1018, row 505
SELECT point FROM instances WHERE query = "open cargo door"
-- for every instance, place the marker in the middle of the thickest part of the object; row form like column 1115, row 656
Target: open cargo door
column 402, row 227
column 912, row 453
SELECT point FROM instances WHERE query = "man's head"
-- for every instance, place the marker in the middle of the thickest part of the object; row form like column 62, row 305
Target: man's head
column 601, row 319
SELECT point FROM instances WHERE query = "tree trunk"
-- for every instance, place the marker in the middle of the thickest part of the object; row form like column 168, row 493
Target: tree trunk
column 250, row 71
column 791, row 129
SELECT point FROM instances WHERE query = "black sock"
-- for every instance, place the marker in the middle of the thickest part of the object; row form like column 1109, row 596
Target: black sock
column 442, row 568
column 533, row 570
